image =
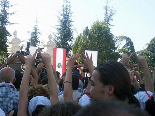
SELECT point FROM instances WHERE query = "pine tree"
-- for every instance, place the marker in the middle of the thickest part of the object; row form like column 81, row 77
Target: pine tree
column 34, row 40
column 109, row 13
column 4, row 14
column 64, row 35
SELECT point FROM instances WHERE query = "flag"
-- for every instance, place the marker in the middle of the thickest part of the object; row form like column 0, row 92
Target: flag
column 59, row 60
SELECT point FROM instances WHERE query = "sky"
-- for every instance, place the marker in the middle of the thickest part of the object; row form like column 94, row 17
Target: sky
column 133, row 18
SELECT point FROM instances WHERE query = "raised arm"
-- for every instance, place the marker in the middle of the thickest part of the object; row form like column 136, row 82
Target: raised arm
column 147, row 78
column 46, row 58
column 23, row 100
column 10, row 60
column 33, row 72
column 68, row 91
column 35, row 76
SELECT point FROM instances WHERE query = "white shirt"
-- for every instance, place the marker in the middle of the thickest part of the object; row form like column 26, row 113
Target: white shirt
column 143, row 97
column 75, row 95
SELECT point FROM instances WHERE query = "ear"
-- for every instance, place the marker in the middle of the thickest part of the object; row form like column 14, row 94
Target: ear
column 110, row 89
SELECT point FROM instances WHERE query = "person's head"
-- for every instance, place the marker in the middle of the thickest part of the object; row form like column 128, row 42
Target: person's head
column 58, row 74
column 21, row 47
column 111, row 80
column 61, row 109
column 110, row 108
column 7, row 74
column 44, row 80
column 18, row 76
column 75, row 66
column 42, row 74
column 75, row 82
column 38, row 90
column 37, row 104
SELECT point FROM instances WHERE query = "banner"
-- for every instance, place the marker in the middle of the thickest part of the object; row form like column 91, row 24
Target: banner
column 59, row 60
column 94, row 56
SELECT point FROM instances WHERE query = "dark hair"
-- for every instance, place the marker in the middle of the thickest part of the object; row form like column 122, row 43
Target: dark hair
column 42, row 74
column 57, row 74
column 18, row 76
column 150, row 106
column 75, row 82
column 110, row 108
column 115, row 73
column 44, row 80
column 61, row 109
column 38, row 109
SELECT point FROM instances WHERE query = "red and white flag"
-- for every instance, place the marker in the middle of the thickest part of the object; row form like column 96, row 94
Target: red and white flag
column 59, row 60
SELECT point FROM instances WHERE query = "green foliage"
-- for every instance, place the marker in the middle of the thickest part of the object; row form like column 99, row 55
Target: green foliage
column 109, row 13
column 64, row 36
column 128, row 48
column 34, row 40
column 149, row 54
column 98, row 38
column 4, row 14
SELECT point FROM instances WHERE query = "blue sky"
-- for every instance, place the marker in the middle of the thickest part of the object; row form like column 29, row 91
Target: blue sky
column 133, row 18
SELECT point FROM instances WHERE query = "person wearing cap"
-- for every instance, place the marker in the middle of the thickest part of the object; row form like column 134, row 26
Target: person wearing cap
column 38, row 101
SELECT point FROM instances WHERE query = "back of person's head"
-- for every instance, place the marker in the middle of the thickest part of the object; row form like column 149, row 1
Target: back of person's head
column 37, row 104
column 150, row 106
column 42, row 74
column 18, row 76
column 115, row 74
column 75, row 82
column 75, row 64
column 58, row 74
column 7, row 74
column 44, row 80
column 38, row 90
column 110, row 108
column 61, row 109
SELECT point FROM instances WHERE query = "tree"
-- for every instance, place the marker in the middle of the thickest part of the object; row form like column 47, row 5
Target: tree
column 149, row 54
column 64, row 35
column 3, row 23
column 4, row 14
column 109, row 13
column 98, row 38
column 34, row 40
column 128, row 48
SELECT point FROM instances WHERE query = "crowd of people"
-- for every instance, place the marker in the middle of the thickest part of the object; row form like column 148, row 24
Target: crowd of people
column 111, row 88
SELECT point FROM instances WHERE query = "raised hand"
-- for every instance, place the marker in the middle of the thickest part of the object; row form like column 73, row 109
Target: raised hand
column 21, row 58
column 46, row 58
column 71, row 61
column 11, row 59
column 40, row 66
column 125, row 59
column 29, row 59
column 88, row 62
column 142, row 63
